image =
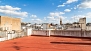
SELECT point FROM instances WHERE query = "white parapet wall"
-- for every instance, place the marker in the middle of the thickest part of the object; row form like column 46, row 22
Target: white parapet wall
column 3, row 39
column 74, row 33
column 14, row 36
column 9, row 36
column 41, row 32
column 29, row 31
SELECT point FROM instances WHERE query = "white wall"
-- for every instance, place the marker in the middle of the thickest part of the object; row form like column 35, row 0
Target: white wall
column 75, row 33
column 29, row 31
column 88, row 27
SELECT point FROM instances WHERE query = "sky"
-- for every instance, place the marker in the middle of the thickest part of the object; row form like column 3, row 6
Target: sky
column 47, row 11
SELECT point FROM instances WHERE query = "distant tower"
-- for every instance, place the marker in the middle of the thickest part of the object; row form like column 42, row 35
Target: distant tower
column 83, row 21
column 60, row 21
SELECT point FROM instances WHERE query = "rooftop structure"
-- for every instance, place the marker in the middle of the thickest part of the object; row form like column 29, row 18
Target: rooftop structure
column 9, row 23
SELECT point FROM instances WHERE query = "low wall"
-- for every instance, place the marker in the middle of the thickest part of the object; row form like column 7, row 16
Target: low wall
column 75, row 33
column 7, row 36
column 40, row 32
column 2, row 34
column 65, row 33
column 3, row 39
column 87, row 34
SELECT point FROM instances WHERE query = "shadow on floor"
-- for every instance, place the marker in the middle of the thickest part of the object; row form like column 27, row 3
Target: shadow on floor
column 19, row 47
column 40, row 35
column 71, row 37
column 86, row 39
column 14, row 42
column 16, row 47
column 74, row 43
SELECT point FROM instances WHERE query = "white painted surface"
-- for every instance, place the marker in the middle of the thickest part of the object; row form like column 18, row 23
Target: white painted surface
column 40, row 32
column 88, row 27
column 13, row 35
column 2, row 39
column 29, row 31
column 49, row 32
column 9, row 36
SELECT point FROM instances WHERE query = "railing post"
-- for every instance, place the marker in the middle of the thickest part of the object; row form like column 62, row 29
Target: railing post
column 49, row 32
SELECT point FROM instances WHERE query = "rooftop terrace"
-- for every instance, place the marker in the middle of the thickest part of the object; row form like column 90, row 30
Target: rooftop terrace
column 40, row 43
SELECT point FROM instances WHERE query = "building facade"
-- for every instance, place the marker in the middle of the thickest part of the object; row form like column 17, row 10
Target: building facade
column 82, row 23
column 9, row 23
column 88, row 25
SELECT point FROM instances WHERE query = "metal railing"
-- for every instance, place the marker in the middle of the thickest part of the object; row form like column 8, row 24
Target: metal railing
column 5, row 35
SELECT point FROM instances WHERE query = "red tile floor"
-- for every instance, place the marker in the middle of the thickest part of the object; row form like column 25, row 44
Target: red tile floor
column 38, row 43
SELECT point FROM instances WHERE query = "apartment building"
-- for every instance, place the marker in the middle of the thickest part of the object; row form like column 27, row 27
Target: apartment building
column 9, row 23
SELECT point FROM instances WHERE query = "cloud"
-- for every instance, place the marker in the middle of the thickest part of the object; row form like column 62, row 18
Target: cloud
column 37, row 20
column 71, row 8
column 70, row 1
column 85, row 4
column 67, row 10
column 24, row 5
column 67, row 21
column 10, row 8
column 49, row 17
column 61, row 5
column 52, row 3
column 54, row 17
column 56, row 13
column 79, row 11
column 74, row 7
column 67, row 2
column 77, row 17
column 57, row 9
column 44, row 18
column 14, row 11
column 88, row 15
column 0, row 1
column 33, row 16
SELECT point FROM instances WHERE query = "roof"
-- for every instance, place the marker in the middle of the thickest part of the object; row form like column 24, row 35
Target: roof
column 76, row 23
column 68, row 24
column 10, row 17
column 88, row 24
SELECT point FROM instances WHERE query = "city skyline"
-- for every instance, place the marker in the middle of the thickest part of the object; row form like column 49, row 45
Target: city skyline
column 46, row 11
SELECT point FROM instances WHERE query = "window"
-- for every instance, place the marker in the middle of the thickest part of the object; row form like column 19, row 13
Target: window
column 75, row 26
column 79, row 25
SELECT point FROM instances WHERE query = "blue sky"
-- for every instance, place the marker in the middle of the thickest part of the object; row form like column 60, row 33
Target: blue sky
column 46, row 11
